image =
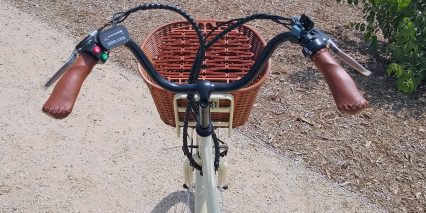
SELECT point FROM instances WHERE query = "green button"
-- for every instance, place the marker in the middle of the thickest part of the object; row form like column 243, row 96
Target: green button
column 104, row 56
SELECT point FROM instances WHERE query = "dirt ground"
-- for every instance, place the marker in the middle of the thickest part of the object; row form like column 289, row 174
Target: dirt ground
column 113, row 153
column 379, row 153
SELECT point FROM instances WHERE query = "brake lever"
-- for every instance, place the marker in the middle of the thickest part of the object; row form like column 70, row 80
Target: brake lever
column 312, row 39
column 347, row 59
column 82, row 46
column 64, row 68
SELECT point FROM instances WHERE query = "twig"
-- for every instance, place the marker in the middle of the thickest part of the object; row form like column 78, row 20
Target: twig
column 331, row 139
column 305, row 121
column 272, row 138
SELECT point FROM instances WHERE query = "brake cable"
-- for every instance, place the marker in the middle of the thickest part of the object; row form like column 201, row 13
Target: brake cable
column 195, row 69
column 121, row 16
column 275, row 18
column 194, row 74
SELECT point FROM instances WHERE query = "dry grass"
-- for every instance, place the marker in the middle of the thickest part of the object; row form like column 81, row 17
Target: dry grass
column 379, row 153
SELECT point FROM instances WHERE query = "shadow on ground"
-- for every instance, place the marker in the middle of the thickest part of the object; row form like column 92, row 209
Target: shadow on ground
column 175, row 202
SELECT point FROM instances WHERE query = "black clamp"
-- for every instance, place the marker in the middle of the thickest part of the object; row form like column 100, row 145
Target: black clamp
column 300, row 25
column 313, row 41
column 204, row 132
column 310, row 38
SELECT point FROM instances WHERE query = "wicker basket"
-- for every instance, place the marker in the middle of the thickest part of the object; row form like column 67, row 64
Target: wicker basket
column 172, row 48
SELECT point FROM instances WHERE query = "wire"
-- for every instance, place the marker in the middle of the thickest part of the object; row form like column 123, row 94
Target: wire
column 194, row 74
column 121, row 16
column 275, row 18
column 199, row 58
column 220, row 25
column 191, row 109
column 185, row 135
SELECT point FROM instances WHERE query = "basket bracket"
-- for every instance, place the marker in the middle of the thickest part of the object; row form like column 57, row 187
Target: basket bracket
column 215, row 107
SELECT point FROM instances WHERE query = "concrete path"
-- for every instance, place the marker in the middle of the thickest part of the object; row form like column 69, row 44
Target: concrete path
column 113, row 154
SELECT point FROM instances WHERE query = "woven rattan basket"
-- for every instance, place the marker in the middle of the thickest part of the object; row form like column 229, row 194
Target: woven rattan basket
column 172, row 48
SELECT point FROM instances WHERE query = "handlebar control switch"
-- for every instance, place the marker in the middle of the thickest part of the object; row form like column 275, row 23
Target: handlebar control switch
column 304, row 33
column 114, row 37
column 313, row 41
column 91, row 46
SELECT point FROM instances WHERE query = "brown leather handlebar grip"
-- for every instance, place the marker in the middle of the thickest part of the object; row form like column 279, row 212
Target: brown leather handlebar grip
column 64, row 95
column 345, row 93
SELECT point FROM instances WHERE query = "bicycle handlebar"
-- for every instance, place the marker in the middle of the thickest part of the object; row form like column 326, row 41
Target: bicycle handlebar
column 346, row 95
column 251, row 75
column 64, row 95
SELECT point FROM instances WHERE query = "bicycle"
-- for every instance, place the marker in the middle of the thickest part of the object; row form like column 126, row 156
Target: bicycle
column 208, row 159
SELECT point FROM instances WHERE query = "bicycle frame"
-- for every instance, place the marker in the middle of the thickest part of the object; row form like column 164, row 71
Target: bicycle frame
column 205, row 181
column 206, row 184
column 205, row 188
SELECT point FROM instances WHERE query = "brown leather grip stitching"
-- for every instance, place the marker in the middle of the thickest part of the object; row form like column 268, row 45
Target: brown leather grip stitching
column 345, row 93
column 64, row 95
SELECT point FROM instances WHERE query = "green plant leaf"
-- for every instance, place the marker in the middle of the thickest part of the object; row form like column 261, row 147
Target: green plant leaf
column 362, row 27
column 403, row 26
column 357, row 26
column 374, row 44
column 401, row 4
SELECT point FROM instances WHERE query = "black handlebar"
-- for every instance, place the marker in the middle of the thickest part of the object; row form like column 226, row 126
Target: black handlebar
column 251, row 75
column 301, row 32
column 98, row 44
column 149, row 67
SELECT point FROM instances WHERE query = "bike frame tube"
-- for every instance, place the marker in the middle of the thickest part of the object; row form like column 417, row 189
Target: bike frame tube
column 205, row 188
column 205, row 185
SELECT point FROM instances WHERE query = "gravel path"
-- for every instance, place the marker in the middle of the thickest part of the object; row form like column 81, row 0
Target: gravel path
column 106, row 157
column 379, row 153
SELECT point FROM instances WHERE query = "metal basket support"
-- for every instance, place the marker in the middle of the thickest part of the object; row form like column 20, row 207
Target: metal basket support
column 215, row 107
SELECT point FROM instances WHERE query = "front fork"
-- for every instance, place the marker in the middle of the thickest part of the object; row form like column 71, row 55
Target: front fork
column 222, row 173
column 205, row 182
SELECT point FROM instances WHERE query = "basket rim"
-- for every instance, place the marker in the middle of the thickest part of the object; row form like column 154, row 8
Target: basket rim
column 258, row 83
